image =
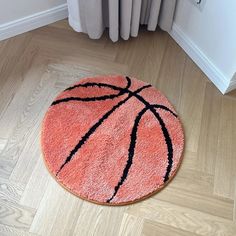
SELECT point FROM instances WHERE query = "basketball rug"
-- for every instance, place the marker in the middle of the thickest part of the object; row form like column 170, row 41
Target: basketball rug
column 112, row 140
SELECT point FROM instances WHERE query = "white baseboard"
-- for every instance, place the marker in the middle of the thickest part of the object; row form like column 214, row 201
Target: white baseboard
column 34, row 21
column 205, row 64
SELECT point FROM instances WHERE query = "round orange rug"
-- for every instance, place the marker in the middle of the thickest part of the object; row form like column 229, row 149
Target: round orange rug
column 112, row 140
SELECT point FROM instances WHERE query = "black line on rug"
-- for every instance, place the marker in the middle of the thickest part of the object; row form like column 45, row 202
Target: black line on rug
column 96, row 125
column 90, row 99
column 133, row 143
column 164, row 108
column 131, row 94
column 101, row 98
column 168, row 143
column 122, row 91
column 164, row 130
column 133, row 138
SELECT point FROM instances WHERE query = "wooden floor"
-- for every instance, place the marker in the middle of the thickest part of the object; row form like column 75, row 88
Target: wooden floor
column 36, row 66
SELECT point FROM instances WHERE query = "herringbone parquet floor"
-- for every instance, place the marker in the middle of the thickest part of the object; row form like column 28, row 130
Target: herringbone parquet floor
column 35, row 66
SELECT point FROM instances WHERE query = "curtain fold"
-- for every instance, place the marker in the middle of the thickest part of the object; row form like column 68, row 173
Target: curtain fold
column 122, row 17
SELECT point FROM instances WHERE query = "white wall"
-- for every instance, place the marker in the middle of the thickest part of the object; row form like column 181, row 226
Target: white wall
column 19, row 16
column 212, row 31
column 13, row 10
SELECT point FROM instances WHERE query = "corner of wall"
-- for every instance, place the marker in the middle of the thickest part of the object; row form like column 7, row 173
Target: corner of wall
column 203, row 62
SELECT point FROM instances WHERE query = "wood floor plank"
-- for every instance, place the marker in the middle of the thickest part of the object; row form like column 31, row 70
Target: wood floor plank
column 152, row 228
column 62, row 24
column 99, row 220
column 65, row 43
column 131, row 225
column 207, row 146
column 57, row 34
column 34, row 111
column 15, row 77
column 189, row 161
column 19, row 95
column 194, row 181
column 12, row 51
column 171, row 73
column 15, row 215
column 225, row 170
column 183, row 218
column 55, row 204
column 3, row 142
column 191, row 103
column 234, row 216
column 146, row 65
column 205, row 203
column 67, row 216
column 85, row 63
column 11, row 191
column 68, row 73
column 149, row 69
column 26, row 131
column 12, row 231
column 36, row 186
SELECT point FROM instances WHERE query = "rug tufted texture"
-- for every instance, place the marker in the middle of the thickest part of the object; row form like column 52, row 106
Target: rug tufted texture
column 112, row 140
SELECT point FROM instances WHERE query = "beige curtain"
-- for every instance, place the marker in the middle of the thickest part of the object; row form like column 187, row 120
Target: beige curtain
column 123, row 17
